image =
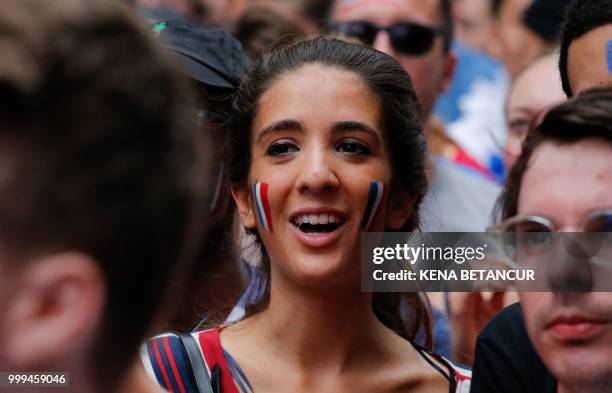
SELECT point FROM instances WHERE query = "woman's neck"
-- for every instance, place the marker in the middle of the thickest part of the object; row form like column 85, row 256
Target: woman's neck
column 314, row 329
column 323, row 340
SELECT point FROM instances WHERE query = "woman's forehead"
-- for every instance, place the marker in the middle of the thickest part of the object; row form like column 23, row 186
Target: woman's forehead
column 317, row 94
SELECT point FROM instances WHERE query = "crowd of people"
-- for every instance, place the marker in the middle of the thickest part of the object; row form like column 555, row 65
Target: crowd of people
column 185, row 185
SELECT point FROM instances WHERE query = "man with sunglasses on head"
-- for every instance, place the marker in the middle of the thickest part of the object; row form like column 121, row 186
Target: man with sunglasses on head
column 558, row 341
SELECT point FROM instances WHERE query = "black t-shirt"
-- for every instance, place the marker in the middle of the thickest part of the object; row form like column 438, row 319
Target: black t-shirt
column 506, row 361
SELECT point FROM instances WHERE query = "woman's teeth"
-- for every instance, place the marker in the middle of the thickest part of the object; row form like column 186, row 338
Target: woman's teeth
column 318, row 223
column 316, row 219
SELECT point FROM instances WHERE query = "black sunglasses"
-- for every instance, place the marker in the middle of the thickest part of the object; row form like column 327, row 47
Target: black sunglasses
column 406, row 37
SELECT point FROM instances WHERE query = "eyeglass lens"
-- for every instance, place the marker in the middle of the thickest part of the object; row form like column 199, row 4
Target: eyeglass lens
column 529, row 238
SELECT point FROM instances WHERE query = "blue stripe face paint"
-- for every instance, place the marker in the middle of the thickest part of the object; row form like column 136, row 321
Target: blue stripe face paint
column 609, row 55
column 375, row 195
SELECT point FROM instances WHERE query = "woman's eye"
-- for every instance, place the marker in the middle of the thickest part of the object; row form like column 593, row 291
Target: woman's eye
column 281, row 149
column 352, row 147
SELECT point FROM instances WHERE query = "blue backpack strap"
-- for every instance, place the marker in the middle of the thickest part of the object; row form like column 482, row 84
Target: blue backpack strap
column 177, row 363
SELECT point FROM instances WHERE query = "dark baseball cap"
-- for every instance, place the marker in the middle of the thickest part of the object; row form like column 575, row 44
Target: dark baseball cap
column 209, row 55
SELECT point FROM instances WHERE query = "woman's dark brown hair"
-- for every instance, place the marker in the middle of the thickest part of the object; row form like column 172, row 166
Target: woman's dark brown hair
column 399, row 109
column 586, row 116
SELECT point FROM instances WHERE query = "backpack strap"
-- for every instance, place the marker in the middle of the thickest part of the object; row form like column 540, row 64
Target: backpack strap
column 177, row 364
column 198, row 365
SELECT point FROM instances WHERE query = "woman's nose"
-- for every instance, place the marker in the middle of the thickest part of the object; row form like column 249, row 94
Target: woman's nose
column 318, row 174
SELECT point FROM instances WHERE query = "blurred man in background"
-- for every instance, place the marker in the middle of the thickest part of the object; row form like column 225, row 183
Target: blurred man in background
column 476, row 24
column 505, row 29
column 528, row 29
column 103, row 179
column 517, row 44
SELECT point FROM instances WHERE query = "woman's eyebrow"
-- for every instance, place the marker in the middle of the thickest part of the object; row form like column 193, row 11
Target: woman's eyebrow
column 282, row 125
column 344, row 126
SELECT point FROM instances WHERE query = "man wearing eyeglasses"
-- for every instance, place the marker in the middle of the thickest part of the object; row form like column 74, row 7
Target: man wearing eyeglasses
column 558, row 341
column 417, row 33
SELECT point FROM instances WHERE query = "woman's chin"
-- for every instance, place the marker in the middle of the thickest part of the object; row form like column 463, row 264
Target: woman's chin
column 320, row 272
column 320, row 260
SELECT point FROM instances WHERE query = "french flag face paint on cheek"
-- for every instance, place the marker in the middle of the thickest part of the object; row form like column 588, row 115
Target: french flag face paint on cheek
column 260, row 193
column 374, row 198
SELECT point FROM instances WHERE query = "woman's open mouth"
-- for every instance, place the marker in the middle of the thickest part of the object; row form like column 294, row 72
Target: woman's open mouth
column 318, row 229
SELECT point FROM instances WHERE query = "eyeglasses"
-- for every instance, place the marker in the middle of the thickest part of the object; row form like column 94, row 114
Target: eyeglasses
column 406, row 37
column 530, row 235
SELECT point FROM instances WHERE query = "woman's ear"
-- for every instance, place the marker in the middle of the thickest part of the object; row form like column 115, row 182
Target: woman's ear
column 400, row 208
column 242, row 197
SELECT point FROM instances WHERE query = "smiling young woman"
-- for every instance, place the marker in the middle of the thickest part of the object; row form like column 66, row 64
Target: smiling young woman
column 326, row 142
